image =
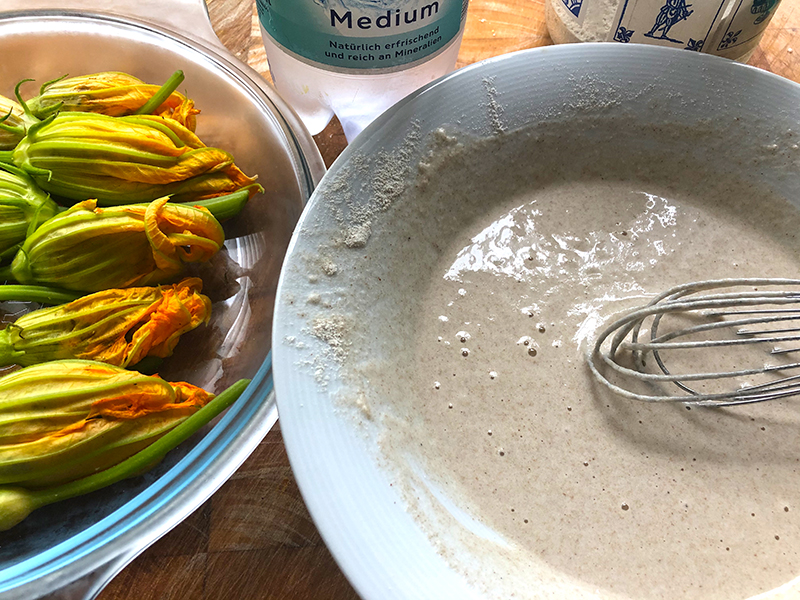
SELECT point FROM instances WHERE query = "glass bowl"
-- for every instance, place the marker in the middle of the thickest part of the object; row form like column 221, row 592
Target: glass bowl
column 73, row 548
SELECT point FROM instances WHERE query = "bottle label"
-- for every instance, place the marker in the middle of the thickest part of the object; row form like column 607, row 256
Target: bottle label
column 362, row 34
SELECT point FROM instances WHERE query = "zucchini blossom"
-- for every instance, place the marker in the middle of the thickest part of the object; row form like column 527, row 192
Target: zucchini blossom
column 23, row 207
column 124, row 160
column 14, row 123
column 115, row 94
column 89, row 249
column 63, row 420
column 17, row 502
column 119, row 326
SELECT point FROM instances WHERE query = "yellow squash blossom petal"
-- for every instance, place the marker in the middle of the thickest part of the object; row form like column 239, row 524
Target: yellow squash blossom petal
column 23, row 207
column 17, row 502
column 63, row 420
column 185, row 114
column 110, row 93
column 89, row 249
column 118, row 326
column 14, row 123
column 124, row 160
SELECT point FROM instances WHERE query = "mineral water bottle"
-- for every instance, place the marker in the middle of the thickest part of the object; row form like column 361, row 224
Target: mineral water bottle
column 355, row 58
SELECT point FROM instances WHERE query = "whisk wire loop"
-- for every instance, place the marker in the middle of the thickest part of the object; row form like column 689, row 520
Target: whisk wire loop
column 724, row 308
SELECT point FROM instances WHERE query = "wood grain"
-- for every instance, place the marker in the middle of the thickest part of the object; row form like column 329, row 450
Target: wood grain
column 254, row 539
column 497, row 27
column 779, row 48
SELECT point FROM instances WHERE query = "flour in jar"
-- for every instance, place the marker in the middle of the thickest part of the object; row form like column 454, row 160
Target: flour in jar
column 527, row 477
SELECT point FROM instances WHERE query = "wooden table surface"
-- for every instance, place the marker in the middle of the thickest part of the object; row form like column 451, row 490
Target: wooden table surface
column 254, row 539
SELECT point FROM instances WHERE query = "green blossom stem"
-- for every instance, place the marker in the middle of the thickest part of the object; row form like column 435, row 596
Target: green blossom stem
column 222, row 207
column 227, row 206
column 36, row 293
column 164, row 92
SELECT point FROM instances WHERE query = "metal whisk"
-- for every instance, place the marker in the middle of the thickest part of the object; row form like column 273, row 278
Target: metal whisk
column 715, row 318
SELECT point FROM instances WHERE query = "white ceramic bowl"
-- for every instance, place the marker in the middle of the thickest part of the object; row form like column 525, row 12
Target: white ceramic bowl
column 383, row 550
